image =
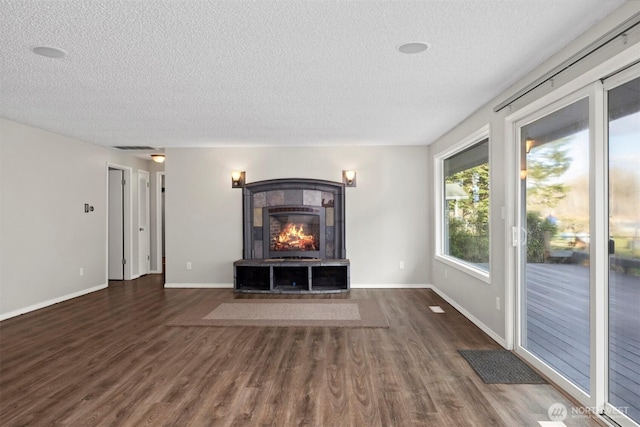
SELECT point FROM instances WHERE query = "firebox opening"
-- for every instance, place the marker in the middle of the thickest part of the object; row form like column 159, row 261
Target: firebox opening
column 294, row 232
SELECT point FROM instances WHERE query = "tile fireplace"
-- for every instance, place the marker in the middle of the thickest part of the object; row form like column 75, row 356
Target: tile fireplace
column 293, row 237
column 293, row 218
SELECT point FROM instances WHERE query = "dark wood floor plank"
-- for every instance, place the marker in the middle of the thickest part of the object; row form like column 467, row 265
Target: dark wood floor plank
column 108, row 358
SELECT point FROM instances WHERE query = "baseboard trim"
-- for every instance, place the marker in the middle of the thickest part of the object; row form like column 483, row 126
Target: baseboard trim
column 53, row 301
column 199, row 285
column 390, row 286
column 487, row 330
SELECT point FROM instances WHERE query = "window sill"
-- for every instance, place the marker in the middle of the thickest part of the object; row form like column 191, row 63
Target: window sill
column 465, row 268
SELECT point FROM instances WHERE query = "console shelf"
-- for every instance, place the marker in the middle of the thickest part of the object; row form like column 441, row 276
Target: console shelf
column 293, row 276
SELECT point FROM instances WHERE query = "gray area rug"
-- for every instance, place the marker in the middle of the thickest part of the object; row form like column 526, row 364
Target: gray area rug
column 343, row 313
column 501, row 367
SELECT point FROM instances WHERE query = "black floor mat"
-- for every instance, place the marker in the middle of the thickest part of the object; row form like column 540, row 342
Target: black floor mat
column 501, row 367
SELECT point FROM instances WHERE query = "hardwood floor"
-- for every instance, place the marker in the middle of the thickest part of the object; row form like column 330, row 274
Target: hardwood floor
column 107, row 358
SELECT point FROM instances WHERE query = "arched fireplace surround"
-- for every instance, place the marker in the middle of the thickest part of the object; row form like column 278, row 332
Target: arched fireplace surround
column 315, row 205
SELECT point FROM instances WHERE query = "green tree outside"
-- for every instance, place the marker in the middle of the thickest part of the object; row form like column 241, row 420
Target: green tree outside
column 469, row 217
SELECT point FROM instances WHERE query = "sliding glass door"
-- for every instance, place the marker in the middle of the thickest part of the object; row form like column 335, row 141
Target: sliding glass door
column 578, row 269
column 623, row 113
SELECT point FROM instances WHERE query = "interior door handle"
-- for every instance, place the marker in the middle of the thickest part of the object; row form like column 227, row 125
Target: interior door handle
column 141, row 229
column 612, row 246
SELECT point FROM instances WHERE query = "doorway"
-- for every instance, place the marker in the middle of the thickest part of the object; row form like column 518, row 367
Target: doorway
column 118, row 223
column 116, row 260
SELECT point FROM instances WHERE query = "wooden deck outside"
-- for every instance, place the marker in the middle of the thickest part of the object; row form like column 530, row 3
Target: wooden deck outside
column 558, row 328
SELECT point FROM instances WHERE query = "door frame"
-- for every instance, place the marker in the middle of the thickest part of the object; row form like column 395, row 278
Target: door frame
column 128, row 224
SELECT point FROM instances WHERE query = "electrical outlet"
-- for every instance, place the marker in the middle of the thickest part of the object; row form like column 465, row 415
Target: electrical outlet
column 401, row 265
column 498, row 303
column 188, row 265
column 81, row 271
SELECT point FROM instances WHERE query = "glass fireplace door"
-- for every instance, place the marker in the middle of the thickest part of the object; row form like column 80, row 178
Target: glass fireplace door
column 294, row 232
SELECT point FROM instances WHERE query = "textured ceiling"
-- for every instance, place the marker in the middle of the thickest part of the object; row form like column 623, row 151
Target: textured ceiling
column 228, row 73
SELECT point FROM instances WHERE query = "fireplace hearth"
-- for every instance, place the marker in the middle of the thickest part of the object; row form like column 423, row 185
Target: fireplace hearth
column 293, row 237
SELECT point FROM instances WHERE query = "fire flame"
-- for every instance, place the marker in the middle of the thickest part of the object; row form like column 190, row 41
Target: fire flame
column 292, row 237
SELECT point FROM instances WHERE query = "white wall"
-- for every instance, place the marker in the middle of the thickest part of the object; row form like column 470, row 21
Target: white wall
column 45, row 236
column 386, row 214
column 472, row 296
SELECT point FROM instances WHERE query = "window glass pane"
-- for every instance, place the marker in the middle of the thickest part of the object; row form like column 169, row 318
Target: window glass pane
column 555, row 283
column 466, row 216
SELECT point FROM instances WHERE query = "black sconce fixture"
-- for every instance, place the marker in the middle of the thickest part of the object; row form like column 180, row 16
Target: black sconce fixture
column 237, row 179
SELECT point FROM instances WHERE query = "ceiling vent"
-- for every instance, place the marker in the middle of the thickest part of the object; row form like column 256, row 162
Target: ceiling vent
column 133, row 147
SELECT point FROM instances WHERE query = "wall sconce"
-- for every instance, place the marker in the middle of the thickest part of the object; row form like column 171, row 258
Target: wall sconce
column 349, row 178
column 528, row 144
column 523, row 174
column 158, row 158
column 237, row 179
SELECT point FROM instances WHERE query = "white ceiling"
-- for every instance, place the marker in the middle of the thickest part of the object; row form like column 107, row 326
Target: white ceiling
column 229, row 73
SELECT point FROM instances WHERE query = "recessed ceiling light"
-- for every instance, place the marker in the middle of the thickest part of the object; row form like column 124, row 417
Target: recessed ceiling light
column 49, row 52
column 413, row 47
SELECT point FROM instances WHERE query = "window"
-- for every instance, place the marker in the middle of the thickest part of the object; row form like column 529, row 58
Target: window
column 465, row 220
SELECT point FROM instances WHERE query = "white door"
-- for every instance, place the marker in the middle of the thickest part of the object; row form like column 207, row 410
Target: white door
column 144, row 242
column 116, row 224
